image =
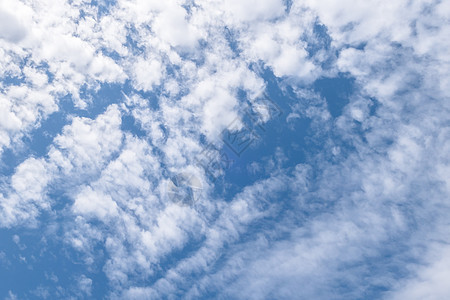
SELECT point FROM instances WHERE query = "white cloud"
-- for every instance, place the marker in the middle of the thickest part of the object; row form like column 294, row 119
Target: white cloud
column 281, row 44
column 85, row 285
column 21, row 107
column 431, row 280
column 78, row 153
column 44, row 34
column 11, row 29
column 87, row 144
column 172, row 27
column 252, row 10
column 26, row 196
column 147, row 73
column 218, row 113
column 234, row 218
column 93, row 204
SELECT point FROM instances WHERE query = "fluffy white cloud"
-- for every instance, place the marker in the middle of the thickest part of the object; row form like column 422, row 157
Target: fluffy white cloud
column 11, row 29
column 87, row 144
column 44, row 34
column 26, row 196
column 234, row 219
column 251, row 10
column 127, row 198
column 93, row 204
column 281, row 45
column 147, row 73
column 172, row 27
column 79, row 153
column 21, row 107
column 431, row 279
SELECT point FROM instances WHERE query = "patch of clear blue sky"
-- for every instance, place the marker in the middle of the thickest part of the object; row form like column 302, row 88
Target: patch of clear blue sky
column 37, row 259
column 292, row 139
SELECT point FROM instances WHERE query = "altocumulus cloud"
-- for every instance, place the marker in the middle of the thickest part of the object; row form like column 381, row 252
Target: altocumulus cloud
column 342, row 194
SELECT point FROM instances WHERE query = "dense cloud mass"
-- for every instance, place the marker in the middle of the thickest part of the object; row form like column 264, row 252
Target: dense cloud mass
column 121, row 175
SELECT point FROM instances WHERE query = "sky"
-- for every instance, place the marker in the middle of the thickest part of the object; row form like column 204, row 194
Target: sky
column 224, row 149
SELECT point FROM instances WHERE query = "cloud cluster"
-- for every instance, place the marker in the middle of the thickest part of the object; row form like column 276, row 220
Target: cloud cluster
column 366, row 207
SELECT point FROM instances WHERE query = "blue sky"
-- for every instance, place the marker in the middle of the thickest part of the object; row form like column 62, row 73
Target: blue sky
column 226, row 149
